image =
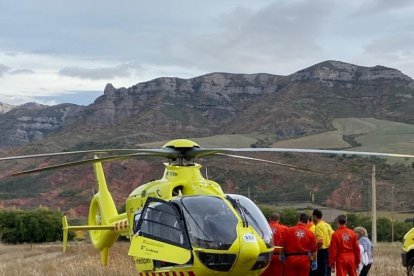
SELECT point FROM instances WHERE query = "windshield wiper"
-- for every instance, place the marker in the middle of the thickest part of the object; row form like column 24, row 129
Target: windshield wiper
column 236, row 204
column 254, row 221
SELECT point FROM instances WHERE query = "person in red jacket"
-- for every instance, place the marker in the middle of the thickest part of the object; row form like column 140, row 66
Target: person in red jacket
column 299, row 249
column 276, row 266
column 344, row 253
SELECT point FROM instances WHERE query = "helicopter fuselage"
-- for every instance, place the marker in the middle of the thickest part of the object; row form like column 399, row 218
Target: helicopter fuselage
column 185, row 224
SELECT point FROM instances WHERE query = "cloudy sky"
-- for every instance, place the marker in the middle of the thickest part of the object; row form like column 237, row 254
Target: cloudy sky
column 66, row 51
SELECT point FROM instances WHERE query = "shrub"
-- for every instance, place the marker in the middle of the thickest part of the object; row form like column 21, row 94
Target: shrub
column 34, row 226
column 384, row 229
column 288, row 216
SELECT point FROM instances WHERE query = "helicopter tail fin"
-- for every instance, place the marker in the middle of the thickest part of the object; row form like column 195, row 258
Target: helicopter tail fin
column 103, row 219
column 102, row 212
column 107, row 206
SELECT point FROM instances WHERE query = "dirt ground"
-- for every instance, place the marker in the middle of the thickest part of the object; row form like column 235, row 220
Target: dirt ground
column 83, row 259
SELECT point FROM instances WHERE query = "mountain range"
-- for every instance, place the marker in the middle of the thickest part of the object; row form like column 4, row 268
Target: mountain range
column 255, row 109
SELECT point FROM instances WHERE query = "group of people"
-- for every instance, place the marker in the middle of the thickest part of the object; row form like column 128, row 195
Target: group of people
column 313, row 248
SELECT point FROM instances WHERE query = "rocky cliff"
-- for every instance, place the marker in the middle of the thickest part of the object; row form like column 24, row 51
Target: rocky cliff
column 286, row 106
column 173, row 106
column 335, row 71
column 282, row 106
column 33, row 122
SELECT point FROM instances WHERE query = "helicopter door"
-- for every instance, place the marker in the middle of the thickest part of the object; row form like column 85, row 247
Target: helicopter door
column 160, row 234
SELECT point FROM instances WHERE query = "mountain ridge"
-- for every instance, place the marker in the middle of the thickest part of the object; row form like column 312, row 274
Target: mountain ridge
column 265, row 108
column 302, row 103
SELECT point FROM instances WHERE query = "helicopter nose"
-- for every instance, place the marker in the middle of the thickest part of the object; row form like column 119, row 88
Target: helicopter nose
column 249, row 251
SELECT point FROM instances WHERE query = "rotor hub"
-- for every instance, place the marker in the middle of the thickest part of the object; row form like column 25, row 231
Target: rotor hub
column 181, row 144
column 182, row 149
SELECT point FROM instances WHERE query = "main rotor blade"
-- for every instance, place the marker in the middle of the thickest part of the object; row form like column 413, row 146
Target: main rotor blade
column 165, row 152
column 268, row 161
column 83, row 162
column 199, row 152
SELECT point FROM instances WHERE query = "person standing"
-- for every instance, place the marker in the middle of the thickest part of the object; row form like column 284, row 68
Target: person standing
column 323, row 233
column 344, row 253
column 299, row 248
column 366, row 250
column 276, row 266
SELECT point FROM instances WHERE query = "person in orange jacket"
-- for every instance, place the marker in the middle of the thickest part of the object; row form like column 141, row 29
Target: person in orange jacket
column 299, row 248
column 276, row 266
column 344, row 253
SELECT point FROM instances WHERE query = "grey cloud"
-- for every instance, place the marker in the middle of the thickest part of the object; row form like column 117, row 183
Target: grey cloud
column 382, row 6
column 3, row 69
column 255, row 40
column 21, row 71
column 393, row 50
column 399, row 45
column 203, row 36
column 7, row 70
column 197, row 35
column 123, row 70
column 101, row 29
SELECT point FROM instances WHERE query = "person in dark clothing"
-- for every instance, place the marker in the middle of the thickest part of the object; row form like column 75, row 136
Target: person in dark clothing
column 323, row 233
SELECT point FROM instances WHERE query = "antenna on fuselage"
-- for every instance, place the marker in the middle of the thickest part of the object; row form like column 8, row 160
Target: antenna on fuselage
column 206, row 172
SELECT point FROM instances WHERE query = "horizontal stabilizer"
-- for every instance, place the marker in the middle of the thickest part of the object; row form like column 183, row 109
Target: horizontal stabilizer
column 91, row 227
column 66, row 228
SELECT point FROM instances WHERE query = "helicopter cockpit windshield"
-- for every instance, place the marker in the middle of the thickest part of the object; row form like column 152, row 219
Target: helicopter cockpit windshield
column 254, row 217
column 210, row 221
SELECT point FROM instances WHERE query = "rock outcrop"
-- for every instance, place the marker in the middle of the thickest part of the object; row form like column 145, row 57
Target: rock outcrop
column 5, row 107
column 337, row 71
column 33, row 122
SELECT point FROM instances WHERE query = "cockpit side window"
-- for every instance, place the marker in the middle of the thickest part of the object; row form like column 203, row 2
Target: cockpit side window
column 161, row 220
column 137, row 216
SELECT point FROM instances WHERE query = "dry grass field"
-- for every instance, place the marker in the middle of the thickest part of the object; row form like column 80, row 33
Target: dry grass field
column 82, row 259
column 48, row 259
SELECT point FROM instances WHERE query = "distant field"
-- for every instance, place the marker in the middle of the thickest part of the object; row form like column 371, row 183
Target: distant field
column 82, row 259
column 372, row 134
column 326, row 140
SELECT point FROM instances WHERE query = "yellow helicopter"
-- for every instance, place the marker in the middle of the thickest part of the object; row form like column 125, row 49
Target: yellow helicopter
column 182, row 224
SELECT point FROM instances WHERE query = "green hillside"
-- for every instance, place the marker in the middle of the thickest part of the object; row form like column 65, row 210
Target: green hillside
column 362, row 134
